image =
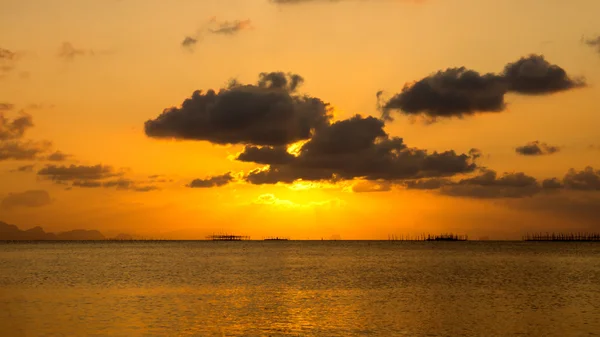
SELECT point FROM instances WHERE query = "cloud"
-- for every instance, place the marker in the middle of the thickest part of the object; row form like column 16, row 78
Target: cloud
column 427, row 184
column 536, row 148
column 488, row 185
column 372, row 186
column 189, row 41
column 231, row 27
column 6, row 106
column 594, row 42
column 271, row 200
column 585, row 180
column 460, row 92
column 266, row 155
column 215, row 181
column 68, row 52
column 533, row 75
column 12, row 144
column 454, row 92
column 94, row 176
column 8, row 61
column 24, row 168
column 266, row 113
column 77, row 172
column 14, row 129
column 359, row 148
column 215, row 27
column 22, row 150
column 29, row 199
column 58, row 156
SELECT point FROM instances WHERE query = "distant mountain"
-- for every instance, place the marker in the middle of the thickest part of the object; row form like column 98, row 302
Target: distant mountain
column 12, row 232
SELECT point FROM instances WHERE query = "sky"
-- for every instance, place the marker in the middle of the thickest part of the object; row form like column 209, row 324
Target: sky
column 301, row 118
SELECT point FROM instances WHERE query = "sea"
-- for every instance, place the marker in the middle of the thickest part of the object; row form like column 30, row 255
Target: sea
column 299, row 288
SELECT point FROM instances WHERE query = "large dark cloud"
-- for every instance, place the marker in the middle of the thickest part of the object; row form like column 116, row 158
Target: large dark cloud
column 454, row 92
column 34, row 198
column 359, row 148
column 460, row 92
column 536, row 148
column 215, row 181
column 266, row 113
column 533, row 75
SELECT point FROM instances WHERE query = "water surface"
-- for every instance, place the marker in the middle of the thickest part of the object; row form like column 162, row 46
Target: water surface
column 295, row 288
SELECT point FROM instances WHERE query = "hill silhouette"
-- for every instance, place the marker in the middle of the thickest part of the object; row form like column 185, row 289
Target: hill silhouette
column 11, row 232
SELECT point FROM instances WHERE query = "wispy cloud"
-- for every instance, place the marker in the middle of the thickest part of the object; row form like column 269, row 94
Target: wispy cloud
column 213, row 26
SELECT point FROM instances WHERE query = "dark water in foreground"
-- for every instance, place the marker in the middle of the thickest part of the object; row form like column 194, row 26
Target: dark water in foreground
column 300, row 289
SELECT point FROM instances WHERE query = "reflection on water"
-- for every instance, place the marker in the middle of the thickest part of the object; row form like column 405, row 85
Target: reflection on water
column 300, row 289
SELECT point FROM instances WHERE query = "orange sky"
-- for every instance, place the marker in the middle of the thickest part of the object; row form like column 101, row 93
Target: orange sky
column 90, row 73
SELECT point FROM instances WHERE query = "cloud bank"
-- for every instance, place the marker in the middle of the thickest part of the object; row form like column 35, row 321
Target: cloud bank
column 461, row 92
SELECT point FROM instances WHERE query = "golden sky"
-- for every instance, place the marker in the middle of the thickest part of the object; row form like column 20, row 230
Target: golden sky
column 89, row 79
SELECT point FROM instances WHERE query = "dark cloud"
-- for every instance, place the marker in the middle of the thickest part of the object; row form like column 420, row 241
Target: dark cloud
column 488, row 185
column 58, row 156
column 460, row 92
column 552, row 183
column 231, row 27
column 77, row 172
column 536, row 149
column 215, row 181
column 585, row 180
column 533, row 75
column 427, row 184
column 95, row 176
column 454, row 92
column 30, row 199
column 266, row 155
column 189, row 42
column 267, row 113
column 14, row 129
column 359, row 148
column 119, row 184
column 12, row 144
column 22, row 150
column 87, row 183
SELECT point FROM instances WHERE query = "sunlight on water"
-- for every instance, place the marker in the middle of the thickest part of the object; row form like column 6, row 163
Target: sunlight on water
column 299, row 289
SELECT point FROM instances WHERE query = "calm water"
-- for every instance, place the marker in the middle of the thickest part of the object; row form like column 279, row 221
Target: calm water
column 300, row 289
